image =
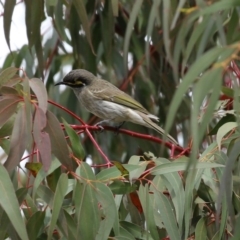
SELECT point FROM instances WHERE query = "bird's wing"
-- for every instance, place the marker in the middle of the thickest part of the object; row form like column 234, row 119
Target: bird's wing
column 119, row 97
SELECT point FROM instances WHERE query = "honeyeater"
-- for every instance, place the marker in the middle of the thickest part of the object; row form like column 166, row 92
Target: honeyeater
column 108, row 102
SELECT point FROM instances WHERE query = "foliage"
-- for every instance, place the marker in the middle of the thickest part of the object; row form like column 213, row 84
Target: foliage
column 78, row 184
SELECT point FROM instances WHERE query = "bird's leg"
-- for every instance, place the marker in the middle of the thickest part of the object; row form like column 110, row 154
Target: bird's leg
column 108, row 122
column 120, row 125
column 99, row 124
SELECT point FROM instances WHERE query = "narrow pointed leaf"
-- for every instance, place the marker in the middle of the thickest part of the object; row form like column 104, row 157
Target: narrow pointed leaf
column 57, row 202
column 7, row 19
column 77, row 147
column 147, row 205
column 58, row 141
column 167, row 215
column 42, row 138
column 42, row 174
column 110, row 218
column 130, row 26
column 35, row 224
column 181, row 166
column 81, row 10
column 10, row 203
column 18, row 140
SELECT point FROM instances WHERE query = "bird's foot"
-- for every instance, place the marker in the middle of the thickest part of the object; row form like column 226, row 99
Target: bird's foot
column 119, row 127
column 100, row 126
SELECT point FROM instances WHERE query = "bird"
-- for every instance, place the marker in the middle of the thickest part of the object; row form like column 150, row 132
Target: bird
column 108, row 102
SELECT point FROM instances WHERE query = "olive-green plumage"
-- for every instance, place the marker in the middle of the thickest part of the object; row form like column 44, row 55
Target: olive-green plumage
column 108, row 102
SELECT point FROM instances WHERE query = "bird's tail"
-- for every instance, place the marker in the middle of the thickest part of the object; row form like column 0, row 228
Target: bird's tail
column 153, row 125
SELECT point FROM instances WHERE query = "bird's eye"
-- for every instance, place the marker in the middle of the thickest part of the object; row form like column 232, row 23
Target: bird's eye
column 79, row 82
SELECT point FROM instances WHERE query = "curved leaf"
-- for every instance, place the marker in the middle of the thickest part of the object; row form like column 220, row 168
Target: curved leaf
column 10, row 203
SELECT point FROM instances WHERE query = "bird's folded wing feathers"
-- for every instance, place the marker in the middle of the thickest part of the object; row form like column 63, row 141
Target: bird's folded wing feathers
column 123, row 99
column 160, row 130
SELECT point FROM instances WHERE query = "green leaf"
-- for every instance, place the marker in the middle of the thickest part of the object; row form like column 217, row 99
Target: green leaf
column 35, row 223
column 167, row 215
column 115, row 7
column 225, row 119
column 223, row 130
column 119, row 187
column 228, row 91
column 124, row 235
column 85, row 171
column 18, row 140
column 42, row 174
column 77, row 147
column 181, row 166
column 10, row 203
column 133, row 16
column 134, row 229
column 108, row 174
column 226, row 182
column 86, row 208
column 7, row 19
column 71, row 226
column 109, row 216
column 135, row 174
column 46, row 195
column 147, row 205
column 174, row 184
column 57, row 202
column 201, row 64
column 82, row 14
column 58, row 141
column 152, row 17
column 201, row 230
column 198, row 129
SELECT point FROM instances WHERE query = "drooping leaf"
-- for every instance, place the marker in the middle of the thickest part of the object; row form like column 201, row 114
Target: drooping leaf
column 81, row 10
column 42, row 174
column 57, row 202
column 7, row 19
column 35, row 224
column 42, row 138
column 86, row 208
column 18, row 140
column 167, row 215
column 58, row 141
column 10, row 203
column 181, row 166
column 147, row 205
column 109, row 218
column 40, row 91
column 130, row 26
column 201, row 230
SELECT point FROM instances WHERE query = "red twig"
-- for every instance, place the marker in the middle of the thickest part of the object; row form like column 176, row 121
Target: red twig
column 136, row 135
column 86, row 129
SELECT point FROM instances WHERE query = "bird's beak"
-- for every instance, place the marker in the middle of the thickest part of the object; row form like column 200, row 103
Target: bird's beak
column 60, row 83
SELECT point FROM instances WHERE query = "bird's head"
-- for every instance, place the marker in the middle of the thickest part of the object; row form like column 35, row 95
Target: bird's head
column 77, row 78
